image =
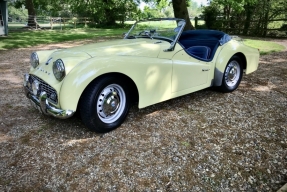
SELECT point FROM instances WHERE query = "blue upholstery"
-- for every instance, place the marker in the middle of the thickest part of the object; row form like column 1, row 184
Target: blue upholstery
column 202, row 52
column 202, row 34
column 211, row 44
column 206, row 38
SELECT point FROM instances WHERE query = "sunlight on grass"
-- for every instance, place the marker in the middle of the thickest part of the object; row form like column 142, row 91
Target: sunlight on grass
column 32, row 38
column 265, row 47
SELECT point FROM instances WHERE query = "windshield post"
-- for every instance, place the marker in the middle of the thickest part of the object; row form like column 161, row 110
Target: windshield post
column 172, row 45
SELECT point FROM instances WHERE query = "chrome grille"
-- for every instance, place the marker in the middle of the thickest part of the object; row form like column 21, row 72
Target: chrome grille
column 44, row 87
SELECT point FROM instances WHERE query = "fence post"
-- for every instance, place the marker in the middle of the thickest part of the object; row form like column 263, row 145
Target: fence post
column 36, row 23
column 75, row 23
column 51, row 23
column 61, row 23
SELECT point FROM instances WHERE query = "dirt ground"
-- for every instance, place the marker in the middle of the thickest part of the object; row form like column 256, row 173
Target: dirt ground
column 204, row 141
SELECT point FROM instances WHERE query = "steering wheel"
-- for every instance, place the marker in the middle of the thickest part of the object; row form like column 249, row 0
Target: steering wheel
column 147, row 33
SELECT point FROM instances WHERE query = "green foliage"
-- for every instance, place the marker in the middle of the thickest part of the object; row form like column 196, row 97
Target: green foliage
column 156, row 9
column 105, row 12
column 16, row 15
column 194, row 9
column 210, row 14
column 42, row 7
column 248, row 17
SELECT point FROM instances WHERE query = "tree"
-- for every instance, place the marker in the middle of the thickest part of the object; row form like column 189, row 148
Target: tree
column 105, row 12
column 179, row 9
column 36, row 6
column 246, row 14
column 32, row 21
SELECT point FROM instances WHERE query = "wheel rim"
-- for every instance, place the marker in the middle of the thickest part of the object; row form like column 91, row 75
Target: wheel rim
column 111, row 103
column 232, row 73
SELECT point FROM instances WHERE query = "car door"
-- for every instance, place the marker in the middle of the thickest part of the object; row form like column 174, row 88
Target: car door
column 189, row 72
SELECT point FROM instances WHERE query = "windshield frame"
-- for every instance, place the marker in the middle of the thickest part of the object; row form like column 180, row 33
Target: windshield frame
column 173, row 41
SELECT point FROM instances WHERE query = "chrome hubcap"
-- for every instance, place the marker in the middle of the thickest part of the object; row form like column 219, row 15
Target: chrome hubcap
column 111, row 103
column 232, row 73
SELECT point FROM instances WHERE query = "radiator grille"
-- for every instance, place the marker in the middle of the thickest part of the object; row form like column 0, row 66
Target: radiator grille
column 51, row 92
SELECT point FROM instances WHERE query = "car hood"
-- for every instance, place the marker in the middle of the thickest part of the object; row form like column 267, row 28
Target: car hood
column 134, row 47
column 77, row 55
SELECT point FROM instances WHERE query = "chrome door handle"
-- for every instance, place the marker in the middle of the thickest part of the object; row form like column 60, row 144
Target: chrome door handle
column 205, row 69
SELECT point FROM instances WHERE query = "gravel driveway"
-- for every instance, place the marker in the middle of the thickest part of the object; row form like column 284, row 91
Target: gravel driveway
column 204, row 141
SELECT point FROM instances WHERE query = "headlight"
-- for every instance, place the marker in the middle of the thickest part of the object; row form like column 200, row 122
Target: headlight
column 34, row 60
column 59, row 69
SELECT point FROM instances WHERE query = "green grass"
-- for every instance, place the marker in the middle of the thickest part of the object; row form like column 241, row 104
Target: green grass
column 265, row 47
column 32, row 38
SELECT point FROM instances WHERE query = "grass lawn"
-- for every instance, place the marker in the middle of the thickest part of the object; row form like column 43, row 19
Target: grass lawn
column 32, row 38
column 265, row 47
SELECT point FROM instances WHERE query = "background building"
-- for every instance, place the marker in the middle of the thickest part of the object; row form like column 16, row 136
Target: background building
column 3, row 17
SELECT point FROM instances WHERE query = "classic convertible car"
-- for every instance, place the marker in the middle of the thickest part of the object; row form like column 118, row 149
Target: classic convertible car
column 155, row 61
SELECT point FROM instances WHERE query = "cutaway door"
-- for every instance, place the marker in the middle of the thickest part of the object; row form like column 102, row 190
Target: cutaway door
column 188, row 72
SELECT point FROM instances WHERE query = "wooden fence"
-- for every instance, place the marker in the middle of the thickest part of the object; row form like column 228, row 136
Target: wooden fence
column 57, row 23
column 237, row 27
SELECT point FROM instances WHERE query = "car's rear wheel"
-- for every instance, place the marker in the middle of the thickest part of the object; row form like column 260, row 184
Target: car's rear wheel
column 232, row 75
column 105, row 104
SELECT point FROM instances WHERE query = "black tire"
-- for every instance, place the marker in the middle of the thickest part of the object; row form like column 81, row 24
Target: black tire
column 232, row 75
column 105, row 104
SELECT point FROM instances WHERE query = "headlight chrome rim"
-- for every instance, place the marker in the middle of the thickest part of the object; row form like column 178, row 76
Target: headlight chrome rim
column 34, row 60
column 59, row 69
column 26, row 79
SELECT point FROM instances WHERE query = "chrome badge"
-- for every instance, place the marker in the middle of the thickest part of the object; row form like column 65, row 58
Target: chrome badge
column 49, row 60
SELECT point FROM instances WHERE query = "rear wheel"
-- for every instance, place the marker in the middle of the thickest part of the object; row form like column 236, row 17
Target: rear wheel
column 232, row 75
column 105, row 104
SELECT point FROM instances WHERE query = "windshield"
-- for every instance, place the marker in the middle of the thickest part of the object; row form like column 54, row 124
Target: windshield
column 164, row 29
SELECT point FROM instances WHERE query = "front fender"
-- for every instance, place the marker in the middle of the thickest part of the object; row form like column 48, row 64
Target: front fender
column 152, row 77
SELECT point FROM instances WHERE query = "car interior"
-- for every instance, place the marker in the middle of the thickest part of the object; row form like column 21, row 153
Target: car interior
column 202, row 44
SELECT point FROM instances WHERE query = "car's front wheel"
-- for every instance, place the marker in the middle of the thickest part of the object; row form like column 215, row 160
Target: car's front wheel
column 105, row 104
column 232, row 75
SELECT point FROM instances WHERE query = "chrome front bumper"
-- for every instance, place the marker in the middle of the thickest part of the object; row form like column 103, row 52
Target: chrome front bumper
column 42, row 104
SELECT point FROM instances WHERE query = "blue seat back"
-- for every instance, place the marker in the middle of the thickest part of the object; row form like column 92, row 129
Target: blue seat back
column 211, row 44
column 202, row 52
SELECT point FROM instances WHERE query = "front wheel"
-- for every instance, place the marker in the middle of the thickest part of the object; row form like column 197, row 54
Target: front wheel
column 232, row 75
column 104, row 104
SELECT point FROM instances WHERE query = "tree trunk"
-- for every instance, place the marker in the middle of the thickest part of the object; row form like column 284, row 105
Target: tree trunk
column 32, row 22
column 249, row 9
column 110, row 19
column 180, row 11
column 109, row 13
column 266, row 18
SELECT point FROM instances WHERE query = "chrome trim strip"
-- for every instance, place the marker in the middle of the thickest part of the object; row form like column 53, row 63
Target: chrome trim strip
column 45, row 106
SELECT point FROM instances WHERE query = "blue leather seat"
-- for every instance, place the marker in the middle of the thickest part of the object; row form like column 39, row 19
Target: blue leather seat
column 202, row 52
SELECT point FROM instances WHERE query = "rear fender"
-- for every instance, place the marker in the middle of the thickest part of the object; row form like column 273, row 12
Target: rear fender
column 247, row 54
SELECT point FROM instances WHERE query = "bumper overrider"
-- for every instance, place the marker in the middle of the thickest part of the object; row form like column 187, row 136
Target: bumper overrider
column 39, row 100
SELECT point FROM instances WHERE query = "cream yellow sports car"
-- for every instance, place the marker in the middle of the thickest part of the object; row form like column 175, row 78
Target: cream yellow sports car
column 155, row 61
